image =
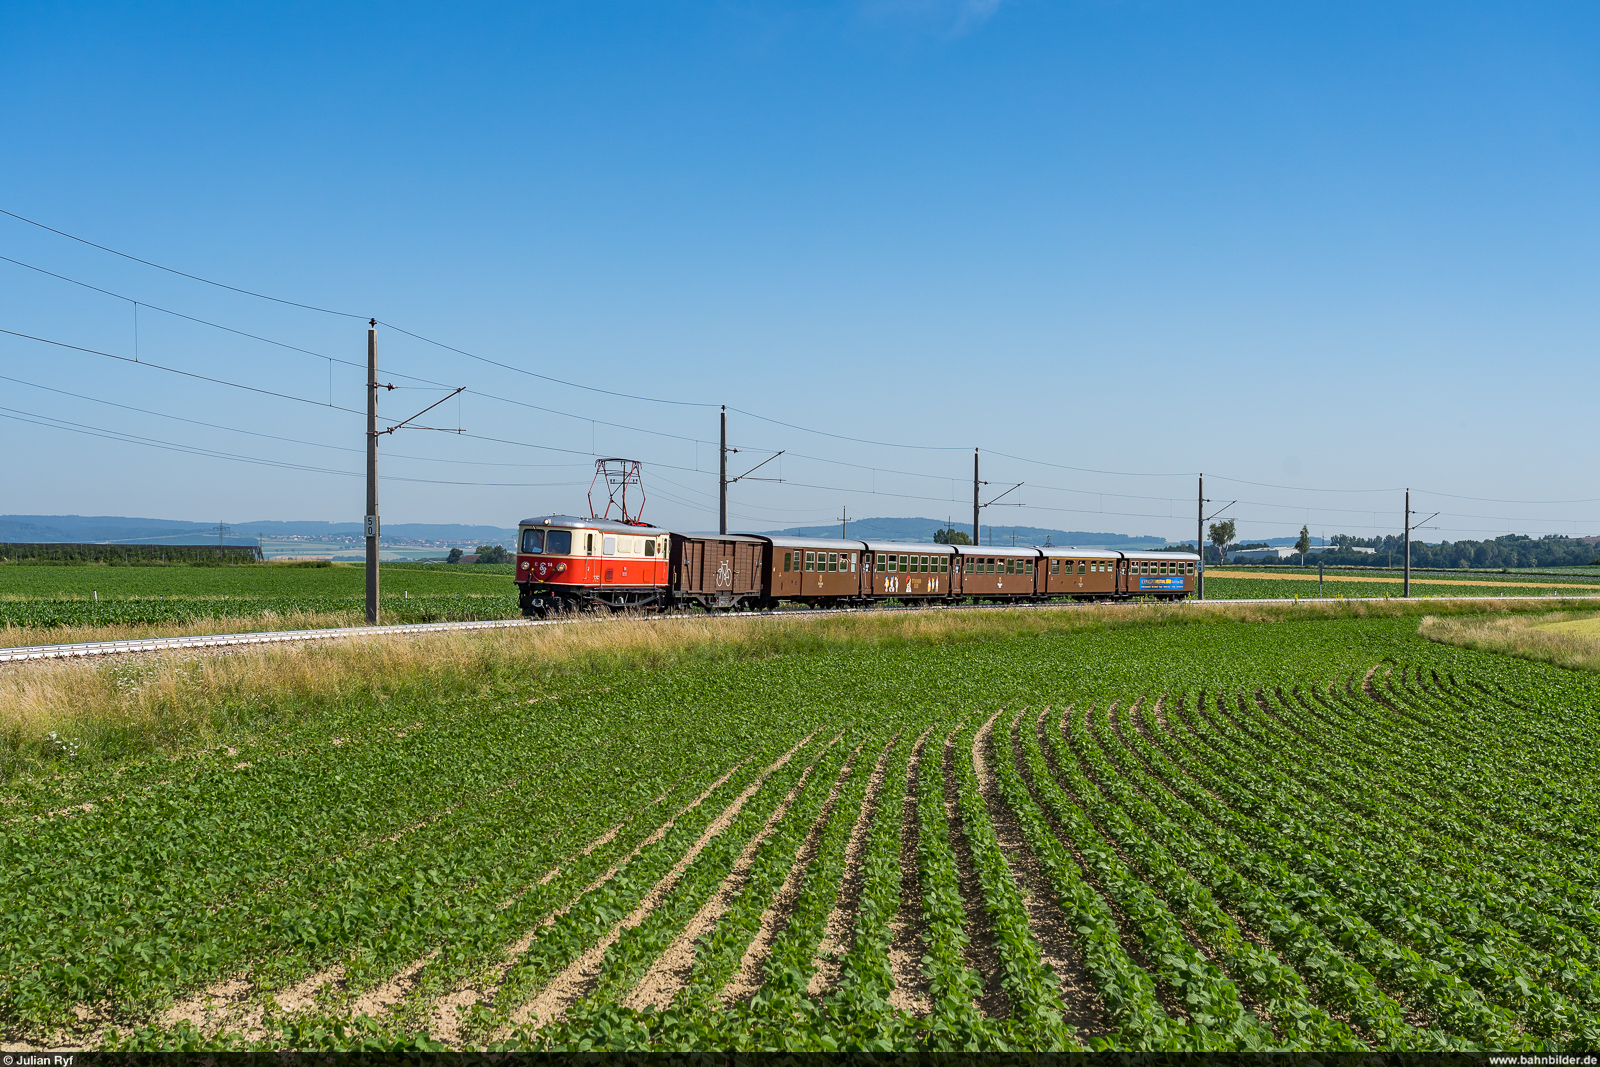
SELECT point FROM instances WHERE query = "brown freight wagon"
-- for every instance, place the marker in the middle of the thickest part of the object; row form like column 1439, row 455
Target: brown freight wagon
column 1083, row 573
column 815, row 570
column 717, row 571
column 992, row 573
column 911, row 572
column 1167, row 575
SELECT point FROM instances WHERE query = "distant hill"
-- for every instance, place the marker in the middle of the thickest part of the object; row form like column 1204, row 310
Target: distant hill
column 922, row 530
column 103, row 528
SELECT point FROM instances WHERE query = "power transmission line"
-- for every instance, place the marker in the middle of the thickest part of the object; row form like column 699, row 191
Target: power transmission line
column 174, row 370
column 179, row 273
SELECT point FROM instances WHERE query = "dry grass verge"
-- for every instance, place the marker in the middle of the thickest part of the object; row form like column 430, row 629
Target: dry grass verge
column 1563, row 638
column 12, row 636
column 184, row 700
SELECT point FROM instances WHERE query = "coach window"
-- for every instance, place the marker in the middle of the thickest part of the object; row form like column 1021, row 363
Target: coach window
column 810, row 561
column 852, row 563
column 944, row 564
column 905, row 564
column 533, row 540
column 882, row 562
column 788, row 558
column 833, row 561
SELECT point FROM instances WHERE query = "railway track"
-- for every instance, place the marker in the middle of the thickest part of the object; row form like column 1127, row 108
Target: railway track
column 133, row 646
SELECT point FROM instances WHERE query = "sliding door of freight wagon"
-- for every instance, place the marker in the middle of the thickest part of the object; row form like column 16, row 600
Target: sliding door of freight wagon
column 746, row 567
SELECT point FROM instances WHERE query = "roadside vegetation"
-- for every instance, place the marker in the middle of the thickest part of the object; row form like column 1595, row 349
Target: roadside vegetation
column 1564, row 638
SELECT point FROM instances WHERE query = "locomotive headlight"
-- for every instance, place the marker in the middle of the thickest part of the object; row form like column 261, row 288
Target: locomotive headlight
column 560, row 567
column 526, row 564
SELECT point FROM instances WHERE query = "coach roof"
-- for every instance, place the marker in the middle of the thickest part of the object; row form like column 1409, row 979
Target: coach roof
column 814, row 542
column 887, row 547
column 996, row 550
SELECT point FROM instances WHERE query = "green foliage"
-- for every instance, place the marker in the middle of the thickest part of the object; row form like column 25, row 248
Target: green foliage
column 492, row 554
column 1221, row 534
column 130, row 555
column 100, row 596
column 952, row 536
column 1321, row 835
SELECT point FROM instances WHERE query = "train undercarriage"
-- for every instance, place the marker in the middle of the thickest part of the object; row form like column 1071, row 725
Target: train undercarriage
column 545, row 601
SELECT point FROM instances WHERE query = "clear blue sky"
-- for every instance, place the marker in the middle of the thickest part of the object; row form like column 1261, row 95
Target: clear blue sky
column 1332, row 246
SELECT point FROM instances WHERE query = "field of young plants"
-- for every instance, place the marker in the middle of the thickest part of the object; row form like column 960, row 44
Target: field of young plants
column 78, row 596
column 1323, row 834
column 1246, row 583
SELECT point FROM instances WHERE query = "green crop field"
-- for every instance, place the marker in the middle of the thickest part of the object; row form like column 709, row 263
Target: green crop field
column 1353, row 586
column 83, row 596
column 1050, row 829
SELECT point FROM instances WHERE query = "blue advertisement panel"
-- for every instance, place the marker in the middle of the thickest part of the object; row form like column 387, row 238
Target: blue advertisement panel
column 1163, row 583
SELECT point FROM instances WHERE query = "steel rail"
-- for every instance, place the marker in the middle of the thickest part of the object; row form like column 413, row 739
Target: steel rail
column 85, row 649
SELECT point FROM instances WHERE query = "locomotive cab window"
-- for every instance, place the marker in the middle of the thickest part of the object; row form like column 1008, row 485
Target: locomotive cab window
column 650, row 547
column 533, row 540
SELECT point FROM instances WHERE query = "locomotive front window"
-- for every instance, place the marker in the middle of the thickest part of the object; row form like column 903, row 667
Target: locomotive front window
column 533, row 540
column 556, row 542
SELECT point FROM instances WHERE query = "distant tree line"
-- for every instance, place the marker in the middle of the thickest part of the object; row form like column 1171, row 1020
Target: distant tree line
column 129, row 555
column 1511, row 550
column 951, row 536
column 485, row 554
